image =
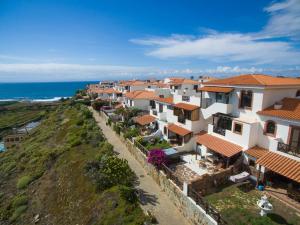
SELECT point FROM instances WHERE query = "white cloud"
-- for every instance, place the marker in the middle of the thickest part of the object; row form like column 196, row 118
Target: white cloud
column 256, row 48
column 284, row 20
column 223, row 47
column 57, row 72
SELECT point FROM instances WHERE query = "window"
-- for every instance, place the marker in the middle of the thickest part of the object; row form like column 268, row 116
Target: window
column 246, row 99
column 170, row 107
column 152, row 104
column 270, row 128
column 298, row 94
column 185, row 98
column 165, row 129
column 195, row 87
column 238, row 128
column 219, row 97
column 161, row 108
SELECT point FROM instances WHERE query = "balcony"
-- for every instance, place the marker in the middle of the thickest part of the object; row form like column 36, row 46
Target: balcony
column 288, row 149
column 181, row 120
column 209, row 108
column 219, row 130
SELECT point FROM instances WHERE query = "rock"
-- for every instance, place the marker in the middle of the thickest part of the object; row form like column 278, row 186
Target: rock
column 36, row 218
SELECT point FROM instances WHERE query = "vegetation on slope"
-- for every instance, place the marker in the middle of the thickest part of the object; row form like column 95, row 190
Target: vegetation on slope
column 15, row 114
column 56, row 176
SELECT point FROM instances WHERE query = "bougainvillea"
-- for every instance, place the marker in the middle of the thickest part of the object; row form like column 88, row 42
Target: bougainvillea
column 156, row 157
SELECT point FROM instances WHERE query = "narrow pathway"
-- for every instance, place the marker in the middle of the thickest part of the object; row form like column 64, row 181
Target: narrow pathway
column 152, row 198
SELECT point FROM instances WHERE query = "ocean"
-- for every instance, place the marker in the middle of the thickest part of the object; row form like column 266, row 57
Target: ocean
column 39, row 91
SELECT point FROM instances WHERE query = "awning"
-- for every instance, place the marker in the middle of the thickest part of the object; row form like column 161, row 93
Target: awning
column 186, row 106
column 256, row 152
column 216, row 89
column 178, row 130
column 219, row 145
column 144, row 120
column 282, row 165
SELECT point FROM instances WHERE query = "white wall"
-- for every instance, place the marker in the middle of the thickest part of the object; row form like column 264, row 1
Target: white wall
column 142, row 104
column 274, row 95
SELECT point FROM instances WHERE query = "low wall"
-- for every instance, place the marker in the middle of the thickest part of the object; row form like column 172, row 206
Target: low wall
column 187, row 206
column 208, row 183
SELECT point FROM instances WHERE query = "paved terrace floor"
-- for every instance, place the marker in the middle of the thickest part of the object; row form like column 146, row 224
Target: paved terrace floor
column 151, row 197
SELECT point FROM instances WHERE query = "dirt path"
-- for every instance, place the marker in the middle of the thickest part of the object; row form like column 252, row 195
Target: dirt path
column 152, row 198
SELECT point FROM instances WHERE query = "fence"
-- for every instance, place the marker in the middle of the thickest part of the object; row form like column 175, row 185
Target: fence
column 140, row 147
column 170, row 175
column 209, row 209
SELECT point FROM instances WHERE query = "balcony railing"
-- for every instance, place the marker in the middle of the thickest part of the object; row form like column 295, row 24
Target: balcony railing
column 181, row 120
column 282, row 147
column 219, row 130
column 154, row 112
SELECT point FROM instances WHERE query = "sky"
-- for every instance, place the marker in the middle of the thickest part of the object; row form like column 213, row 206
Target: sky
column 73, row 40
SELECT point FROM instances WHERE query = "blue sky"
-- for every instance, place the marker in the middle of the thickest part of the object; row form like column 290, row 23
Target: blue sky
column 49, row 40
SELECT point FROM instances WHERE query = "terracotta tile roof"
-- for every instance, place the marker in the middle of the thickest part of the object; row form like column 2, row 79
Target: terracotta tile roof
column 282, row 165
column 178, row 130
column 178, row 81
column 168, row 100
column 256, row 80
column 150, row 95
column 145, row 119
column 111, row 91
column 216, row 89
column 219, row 145
column 256, row 152
column 290, row 109
column 186, row 106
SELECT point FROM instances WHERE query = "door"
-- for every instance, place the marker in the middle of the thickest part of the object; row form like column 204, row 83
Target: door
column 295, row 140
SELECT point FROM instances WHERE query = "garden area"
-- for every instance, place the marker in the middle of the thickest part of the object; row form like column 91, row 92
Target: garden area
column 153, row 143
column 238, row 205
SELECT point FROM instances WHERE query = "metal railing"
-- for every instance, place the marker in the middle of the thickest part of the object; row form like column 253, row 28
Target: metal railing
column 170, row 175
column 282, row 147
column 209, row 209
column 219, row 130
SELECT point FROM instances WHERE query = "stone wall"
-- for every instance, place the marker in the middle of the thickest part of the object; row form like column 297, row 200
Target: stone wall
column 187, row 206
column 207, row 184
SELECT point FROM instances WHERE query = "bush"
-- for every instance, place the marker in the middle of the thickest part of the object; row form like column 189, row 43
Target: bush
column 156, row 157
column 19, row 200
column 18, row 211
column 128, row 193
column 117, row 128
column 110, row 171
column 132, row 132
column 106, row 148
column 109, row 121
column 23, row 182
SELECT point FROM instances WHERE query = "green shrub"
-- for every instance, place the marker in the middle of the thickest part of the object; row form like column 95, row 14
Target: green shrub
column 117, row 128
column 128, row 193
column 109, row 121
column 132, row 132
column 110, row 171
column 17, row 213
column 19, row 200
column 106, row 148
column 23, row 182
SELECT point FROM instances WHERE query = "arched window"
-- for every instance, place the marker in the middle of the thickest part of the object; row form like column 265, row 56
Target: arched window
column 270, row 128
column 298, row 94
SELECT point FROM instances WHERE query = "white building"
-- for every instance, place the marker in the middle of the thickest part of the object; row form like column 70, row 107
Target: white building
column 255, row 114
column 140, row 99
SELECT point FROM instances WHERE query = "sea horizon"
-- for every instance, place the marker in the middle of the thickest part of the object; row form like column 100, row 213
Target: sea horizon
column 40, row 91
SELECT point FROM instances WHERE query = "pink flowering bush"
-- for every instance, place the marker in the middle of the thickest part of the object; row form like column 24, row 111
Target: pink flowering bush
column 156, row 157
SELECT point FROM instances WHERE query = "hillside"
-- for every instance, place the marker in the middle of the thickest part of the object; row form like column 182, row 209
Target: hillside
column 15, row 114
column 49, row 180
